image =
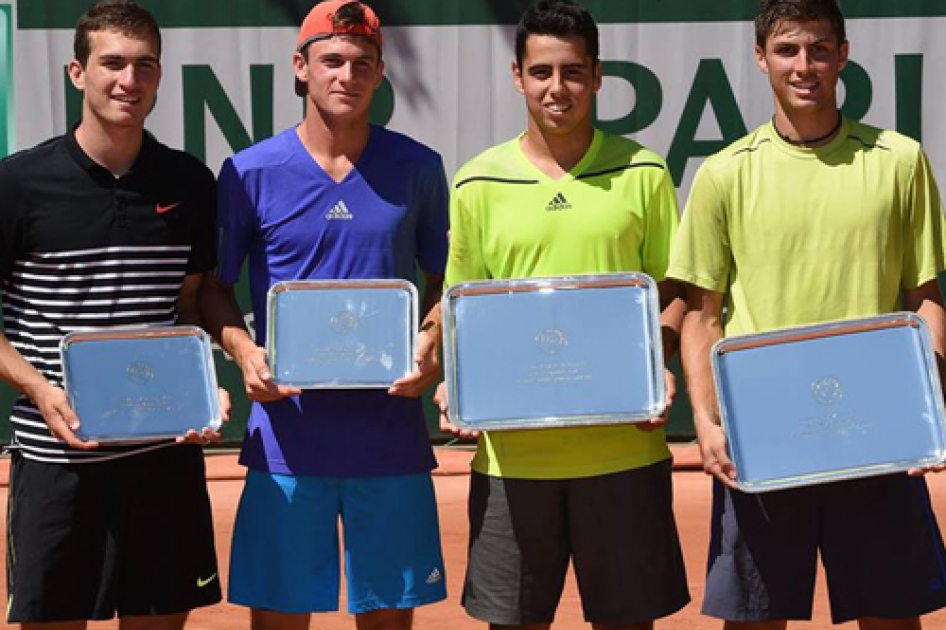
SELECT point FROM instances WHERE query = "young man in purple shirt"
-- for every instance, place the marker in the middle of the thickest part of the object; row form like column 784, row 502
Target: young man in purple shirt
column 333, row 198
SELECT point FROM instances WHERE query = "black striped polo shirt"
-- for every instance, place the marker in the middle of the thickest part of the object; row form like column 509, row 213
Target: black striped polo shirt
column 83, row 250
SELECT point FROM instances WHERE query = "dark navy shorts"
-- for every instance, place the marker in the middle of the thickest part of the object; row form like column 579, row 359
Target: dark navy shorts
column 617, row 529
column 878, row 540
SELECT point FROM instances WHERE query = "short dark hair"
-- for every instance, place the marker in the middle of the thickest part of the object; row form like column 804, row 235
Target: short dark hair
column 559, row 18
column 772, row 12
column 124, row 16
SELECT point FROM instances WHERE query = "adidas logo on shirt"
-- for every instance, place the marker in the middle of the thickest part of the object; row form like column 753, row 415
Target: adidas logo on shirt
column 435, row 576
column 558, row 203
column 339, row 212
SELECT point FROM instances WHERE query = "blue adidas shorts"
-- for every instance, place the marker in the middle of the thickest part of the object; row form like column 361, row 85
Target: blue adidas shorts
column 285, row 554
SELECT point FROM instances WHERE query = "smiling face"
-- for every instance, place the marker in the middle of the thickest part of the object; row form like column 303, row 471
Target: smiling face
column 341, row 74
column 559, row 80
column 120, row 79
column 803, row 61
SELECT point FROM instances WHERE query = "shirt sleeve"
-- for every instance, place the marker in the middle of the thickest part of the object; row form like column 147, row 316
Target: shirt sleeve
column 465, row 261
column 11, row 221
column 204, row 250
column 923, row 251
column 432, row 219
column 660, row 226
column 702, row 255
column 236, row 221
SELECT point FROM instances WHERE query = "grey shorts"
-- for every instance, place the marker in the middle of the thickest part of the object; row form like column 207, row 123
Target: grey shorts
column 878, row 540
column 617, row 529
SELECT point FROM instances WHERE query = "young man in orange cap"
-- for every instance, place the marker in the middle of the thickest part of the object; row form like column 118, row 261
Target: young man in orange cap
column 334, row 197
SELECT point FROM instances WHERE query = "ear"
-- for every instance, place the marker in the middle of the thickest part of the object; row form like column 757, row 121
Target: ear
column 517, row 77
column 77, row 75
column 760, row 59
column 842, row 55
column 597, row 76
column 380, row 78
column 299, row 66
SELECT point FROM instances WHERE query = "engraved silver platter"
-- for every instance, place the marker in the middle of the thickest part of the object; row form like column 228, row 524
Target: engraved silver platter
column 134, row 385
column 830, row 402
column 553, row 352
column 341, row 334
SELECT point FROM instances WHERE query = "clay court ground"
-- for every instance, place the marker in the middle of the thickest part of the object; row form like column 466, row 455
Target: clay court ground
column 692, row 505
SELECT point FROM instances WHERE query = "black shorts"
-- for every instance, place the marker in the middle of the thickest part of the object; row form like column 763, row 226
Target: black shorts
column 618, row 529
column 131, row 536
column 878, row 539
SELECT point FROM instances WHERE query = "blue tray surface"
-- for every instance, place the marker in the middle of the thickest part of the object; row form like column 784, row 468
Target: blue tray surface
column 833, row 403
column 145, row 387
column 559, row 353
column 342, row 336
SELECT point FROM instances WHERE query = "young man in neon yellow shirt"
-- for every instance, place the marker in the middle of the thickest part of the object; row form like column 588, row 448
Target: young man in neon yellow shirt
column 564, row 198
column 810, row 218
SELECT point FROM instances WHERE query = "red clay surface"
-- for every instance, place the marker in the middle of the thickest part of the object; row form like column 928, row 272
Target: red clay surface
column 692, row 504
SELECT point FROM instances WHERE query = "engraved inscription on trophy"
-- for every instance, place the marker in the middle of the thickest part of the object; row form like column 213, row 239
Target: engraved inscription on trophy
column 348, row 352
column 345, row 322
column 340, row 354
column 553, row 342
column 147, row 404
column 829, row 391
column 143, row 405
column 139, row 372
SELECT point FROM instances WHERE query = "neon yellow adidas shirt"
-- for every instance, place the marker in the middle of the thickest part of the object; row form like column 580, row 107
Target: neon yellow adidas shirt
column 615, row 211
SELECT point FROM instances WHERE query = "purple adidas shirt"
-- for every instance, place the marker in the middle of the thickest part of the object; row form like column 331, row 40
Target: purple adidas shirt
column 281, row 211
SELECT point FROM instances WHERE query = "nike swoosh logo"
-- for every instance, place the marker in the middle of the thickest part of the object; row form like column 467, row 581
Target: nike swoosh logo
column 202, row 583
column 162, row 209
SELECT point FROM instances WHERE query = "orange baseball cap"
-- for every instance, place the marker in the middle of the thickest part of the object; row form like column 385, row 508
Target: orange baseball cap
column 320, row 23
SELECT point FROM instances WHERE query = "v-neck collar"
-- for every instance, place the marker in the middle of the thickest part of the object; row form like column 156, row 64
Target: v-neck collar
column 359, row 164
column 569, row 176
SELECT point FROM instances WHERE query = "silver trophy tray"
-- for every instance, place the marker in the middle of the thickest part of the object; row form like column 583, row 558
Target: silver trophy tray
column 134, row 385
column 553, row 352
column 341, row 334
column 830, row 402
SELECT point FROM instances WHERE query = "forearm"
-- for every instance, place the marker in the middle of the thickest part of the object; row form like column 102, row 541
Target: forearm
column 432, row 318
column 927, row 301
column 701, row 330
column 672, row 311
column 188, row 314
column 223, row 319
column 18, row 372
column 427, row 350
column 935, row 317
column 50, row 399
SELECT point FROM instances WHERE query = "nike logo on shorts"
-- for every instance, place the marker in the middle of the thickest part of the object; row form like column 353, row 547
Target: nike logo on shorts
column 201, row 583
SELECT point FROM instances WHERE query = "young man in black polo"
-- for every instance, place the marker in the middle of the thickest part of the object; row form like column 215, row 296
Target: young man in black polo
column 101, row 228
